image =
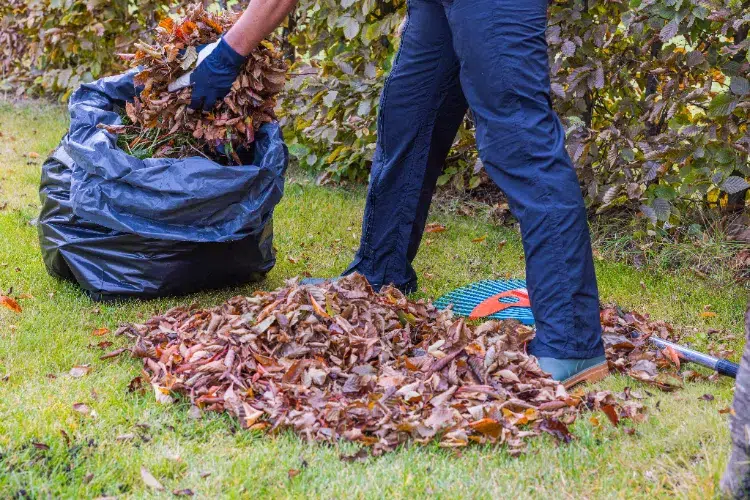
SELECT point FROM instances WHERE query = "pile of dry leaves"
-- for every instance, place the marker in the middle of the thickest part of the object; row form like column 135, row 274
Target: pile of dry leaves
column 626, row 340
column 232, row 123
column 341, row 361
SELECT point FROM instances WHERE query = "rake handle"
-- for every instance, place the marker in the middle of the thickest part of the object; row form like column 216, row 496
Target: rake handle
column 722, row 366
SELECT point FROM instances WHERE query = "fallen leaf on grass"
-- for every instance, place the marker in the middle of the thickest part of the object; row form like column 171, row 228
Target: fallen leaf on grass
column 707, row 397
column 100, row 331
column 435, row 228
column 125, row 437
column 162, row 395
column 361, row 456
column 488, row 426
column 114, row 354
column 150, row 480
column 668, row 382
column 556, row 428
column 726, row 410
column 501, row 245
column 79, row 371
column 9, row 303
column 708, row 314
column 480, row 239
column 32, row 154
column 611, row 413
column 671, row 355
column 292, row 473
column 40, row 446
column 136, row 385
column 183, row 493
column 84, row 409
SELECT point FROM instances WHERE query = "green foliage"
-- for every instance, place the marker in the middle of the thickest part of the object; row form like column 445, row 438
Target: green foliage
column 55, row 45
column 654, row 94
column 331, row 103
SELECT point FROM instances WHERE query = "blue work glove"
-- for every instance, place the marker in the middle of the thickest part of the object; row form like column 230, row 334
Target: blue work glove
column 213, row 78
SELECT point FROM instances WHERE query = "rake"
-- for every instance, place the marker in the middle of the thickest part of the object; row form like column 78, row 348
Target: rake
column 509, row 299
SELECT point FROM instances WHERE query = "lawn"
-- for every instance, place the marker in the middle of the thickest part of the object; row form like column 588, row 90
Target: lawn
column 679, row 451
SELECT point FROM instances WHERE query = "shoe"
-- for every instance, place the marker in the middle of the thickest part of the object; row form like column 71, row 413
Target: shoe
column 571, row 372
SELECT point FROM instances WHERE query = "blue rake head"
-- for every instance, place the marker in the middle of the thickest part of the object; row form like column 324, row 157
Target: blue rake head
column 490, row 299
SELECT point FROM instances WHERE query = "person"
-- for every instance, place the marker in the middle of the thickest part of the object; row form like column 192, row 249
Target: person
column 491, row 56
column 735, row 483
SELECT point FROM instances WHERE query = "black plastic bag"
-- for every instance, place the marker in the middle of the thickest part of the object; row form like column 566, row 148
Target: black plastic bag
column 124, row 227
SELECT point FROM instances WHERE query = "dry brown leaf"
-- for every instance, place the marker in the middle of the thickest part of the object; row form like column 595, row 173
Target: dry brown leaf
column 84, row 409
column 79, row 371
column 480, row 239
column 100, row 331
column 611, row 413
column 150, row 480
column 434, row 227
column 9, row 303
column 233, row 121
column 376, row 369
column 672, row 355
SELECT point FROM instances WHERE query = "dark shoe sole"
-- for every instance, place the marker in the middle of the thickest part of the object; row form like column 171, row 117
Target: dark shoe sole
column 592, row 374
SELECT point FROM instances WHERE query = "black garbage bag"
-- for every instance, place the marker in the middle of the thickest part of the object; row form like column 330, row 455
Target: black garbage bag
column 124, row 227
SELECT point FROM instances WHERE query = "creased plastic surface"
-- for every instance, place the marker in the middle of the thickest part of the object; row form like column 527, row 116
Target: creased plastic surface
column 123, row 227
column 194, row 199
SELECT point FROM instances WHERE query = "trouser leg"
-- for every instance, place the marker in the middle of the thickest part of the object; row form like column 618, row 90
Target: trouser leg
column 502, row 51
column 421, row 108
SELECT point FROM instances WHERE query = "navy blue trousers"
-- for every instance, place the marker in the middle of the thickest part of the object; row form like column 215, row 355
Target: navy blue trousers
column 490, row 55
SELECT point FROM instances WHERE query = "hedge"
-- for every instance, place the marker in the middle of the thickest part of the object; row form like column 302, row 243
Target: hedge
column 655, row 95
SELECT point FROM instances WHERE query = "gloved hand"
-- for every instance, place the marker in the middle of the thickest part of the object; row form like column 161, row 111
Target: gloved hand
column 213, row 78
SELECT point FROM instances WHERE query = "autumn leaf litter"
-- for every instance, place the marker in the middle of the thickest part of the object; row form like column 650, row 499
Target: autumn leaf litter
column 339, row 361
column 161, row 122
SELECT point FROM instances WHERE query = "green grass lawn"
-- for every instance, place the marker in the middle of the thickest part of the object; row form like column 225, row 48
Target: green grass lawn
column 681, row 449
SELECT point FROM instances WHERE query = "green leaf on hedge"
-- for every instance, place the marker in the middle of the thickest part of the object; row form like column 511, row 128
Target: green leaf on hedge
column 669, row 30
column 650, row 213
column 694, row 58
column 443, row 179
column 721, row 105
column 350, row 25
column 734, row 184
column 739, row 85
column 662, row 208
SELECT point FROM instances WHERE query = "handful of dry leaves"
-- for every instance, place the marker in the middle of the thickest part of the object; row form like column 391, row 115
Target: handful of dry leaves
column 341, row 361
column 161, row 124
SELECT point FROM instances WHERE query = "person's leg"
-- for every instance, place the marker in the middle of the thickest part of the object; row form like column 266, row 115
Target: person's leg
column 421, row 108
column 505, row 76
